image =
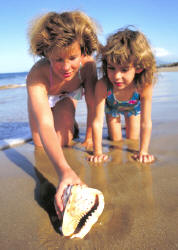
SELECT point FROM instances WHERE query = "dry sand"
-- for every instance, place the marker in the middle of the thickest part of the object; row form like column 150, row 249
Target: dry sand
column 168, row 69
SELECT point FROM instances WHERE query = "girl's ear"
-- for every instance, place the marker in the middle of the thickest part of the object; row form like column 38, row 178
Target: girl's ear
column 138, row 70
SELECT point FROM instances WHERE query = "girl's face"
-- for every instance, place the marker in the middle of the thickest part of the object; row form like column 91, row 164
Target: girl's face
column 121, row 76
column 66, row 62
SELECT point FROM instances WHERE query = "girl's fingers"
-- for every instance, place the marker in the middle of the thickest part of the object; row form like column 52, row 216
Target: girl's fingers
column 144, row 158
column 90, row 158
column 147, row 158
column 96, row 159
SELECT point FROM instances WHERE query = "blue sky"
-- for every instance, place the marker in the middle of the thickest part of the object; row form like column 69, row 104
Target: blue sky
column 157, row 19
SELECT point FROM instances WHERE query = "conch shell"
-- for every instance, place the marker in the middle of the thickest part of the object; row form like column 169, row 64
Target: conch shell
column 82, row 208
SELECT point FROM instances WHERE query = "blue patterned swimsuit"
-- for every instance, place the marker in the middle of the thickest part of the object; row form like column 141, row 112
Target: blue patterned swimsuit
column 115, row 107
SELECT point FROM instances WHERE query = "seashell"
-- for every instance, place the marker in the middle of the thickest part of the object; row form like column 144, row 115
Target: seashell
column 82, row 208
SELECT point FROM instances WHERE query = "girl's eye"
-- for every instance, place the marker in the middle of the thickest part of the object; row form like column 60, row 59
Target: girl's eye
column 59, row 60
column 72, row 58
column 110, row 68
column 124, row 69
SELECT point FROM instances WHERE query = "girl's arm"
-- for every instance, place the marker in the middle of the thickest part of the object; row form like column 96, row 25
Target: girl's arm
column 89, row 84
column 97, row 126
column 145, row 125
column 39, row 107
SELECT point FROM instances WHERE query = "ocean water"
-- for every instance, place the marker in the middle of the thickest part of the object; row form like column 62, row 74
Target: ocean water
column 14, row 127
column 11, row 79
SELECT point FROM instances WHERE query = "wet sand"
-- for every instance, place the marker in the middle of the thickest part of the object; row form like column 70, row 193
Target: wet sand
column 141, row 201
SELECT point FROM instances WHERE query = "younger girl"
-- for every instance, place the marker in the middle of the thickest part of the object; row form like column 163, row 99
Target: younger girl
column 65, row 42
column 125, row 89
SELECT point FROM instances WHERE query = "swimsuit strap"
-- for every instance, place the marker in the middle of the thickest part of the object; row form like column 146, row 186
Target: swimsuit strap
column 136, row 96
column 109, row 90
column 79, row 72
column 50, row 76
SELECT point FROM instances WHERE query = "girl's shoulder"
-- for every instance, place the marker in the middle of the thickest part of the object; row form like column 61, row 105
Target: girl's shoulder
column 145, row 91
column 88, row 69
column 88, row 64
column 101, row 86
column 103, row 81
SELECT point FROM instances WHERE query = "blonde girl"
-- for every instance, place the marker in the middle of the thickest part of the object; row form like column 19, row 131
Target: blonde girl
column 125, row 89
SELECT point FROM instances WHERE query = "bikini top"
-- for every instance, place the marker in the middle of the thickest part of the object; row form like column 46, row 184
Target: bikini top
column 122, row 106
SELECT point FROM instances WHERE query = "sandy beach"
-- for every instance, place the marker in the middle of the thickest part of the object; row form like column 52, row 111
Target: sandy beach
column 168, row 69
column 141, row 201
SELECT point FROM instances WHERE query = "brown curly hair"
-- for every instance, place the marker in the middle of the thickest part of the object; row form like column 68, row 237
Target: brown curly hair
column 128, row 46
column 61, row 30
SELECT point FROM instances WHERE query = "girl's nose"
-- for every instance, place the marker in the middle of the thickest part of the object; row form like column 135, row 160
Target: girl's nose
column 118, row 75
column 66, row 66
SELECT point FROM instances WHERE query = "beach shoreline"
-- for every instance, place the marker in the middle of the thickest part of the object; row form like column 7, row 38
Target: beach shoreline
column 168, row 69
column 12, row 142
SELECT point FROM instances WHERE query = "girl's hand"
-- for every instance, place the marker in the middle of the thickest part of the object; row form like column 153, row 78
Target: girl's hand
column 68, row 178
column 144, row 157
column 97, row 158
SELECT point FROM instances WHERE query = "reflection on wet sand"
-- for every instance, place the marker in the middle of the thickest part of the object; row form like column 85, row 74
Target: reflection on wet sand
column 45, row 189
column 127, row 188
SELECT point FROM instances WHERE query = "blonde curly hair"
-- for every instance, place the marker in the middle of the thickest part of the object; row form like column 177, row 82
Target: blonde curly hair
column 128, row 46
column 61, row 30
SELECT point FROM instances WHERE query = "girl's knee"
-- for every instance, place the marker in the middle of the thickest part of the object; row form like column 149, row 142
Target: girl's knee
column 132, row 137
column 115, row 136
column 133, row 133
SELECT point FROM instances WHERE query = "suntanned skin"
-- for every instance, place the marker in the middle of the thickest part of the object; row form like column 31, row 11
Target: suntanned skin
column 122, row 79
column 53, row 128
